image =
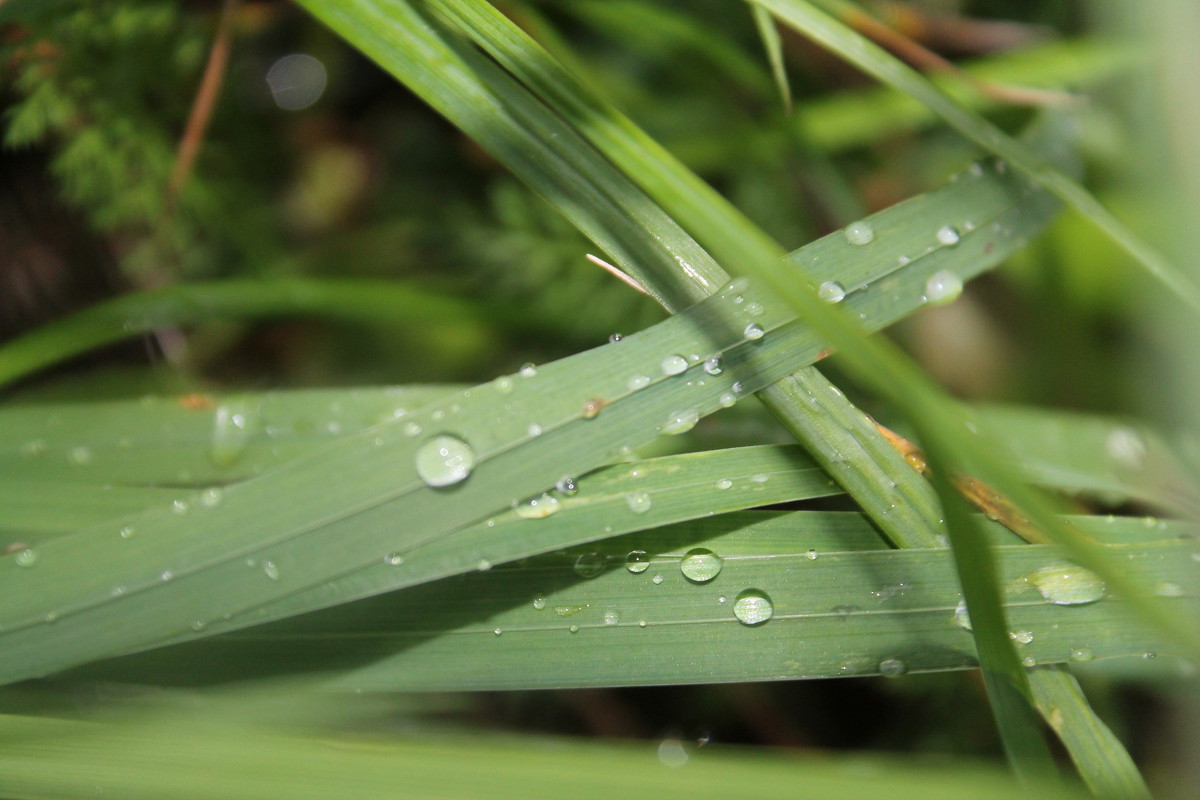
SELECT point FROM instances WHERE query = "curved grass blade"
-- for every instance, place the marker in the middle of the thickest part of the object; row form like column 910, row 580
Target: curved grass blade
column 773, row 44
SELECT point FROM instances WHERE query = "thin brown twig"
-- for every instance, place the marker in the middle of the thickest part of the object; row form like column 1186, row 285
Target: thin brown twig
column 202, row 106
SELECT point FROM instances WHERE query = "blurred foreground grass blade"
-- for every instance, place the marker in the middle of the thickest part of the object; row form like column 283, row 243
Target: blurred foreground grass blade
column 876, row 61
column 229, row 753
column 743, row 596
column 355, row 300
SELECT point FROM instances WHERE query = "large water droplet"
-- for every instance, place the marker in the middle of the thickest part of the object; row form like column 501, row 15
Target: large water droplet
column 589, row 565
column 943, row 287
column 538, row 507
column 859, row 233
column 444, row 460
column 753, row 332
column 1067, row 584
column 947, row 235
column 637, row 561
column 681, row 421
column 674, row 365
column 831, row 292
column 700, row 565
column 713, row 365
column 892, row 668
column 638, row 502
column 753, row 607
column 1021, row 637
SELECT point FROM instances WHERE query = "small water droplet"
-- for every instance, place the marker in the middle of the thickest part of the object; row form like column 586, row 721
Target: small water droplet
column 727, row 399
column 700, row 565
column 497, row 631
column 527, row 371
column 831, row 292
column 1126, row 448
column 231, row 431
column 36, row 447
column 393, row 559
column 638, row 502
column 754, row 309
column 674, row 365
column 269, row 569
column 724, row 483
column 811, row 555
column 1028, row 661
column 760, row 478
column 411, row 430
column 637, row 562
column 657, row 579
column 753, row 607
column 753, row 332
column 859, row 233
column 671, row 753
column 199, row 625
column 503, row 384
column 483, row 565
column 538, row 507
column 127, row 532
column 1168, row 589
column 681, row 421
column 713, row 365
column 947, row 235
column 539, row 603
column 444, row 461
column 1082, row 654
column 180, row 507
column 566, row 485
column 1067, row 584
column 574, row 629
column 211, row 498
column 25, row 558
column 593, row 407
column 1021, row 637
column 637, row 382
column 892, row 668
column 961, row 616
column 590, row 565
column 614, row 338
column 611, row 616
column 943, row 287
column 80, row 455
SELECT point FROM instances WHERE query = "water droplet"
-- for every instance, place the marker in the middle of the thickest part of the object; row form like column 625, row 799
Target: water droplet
column 393, row 559
column 638, row 502
column 727, row 399
column 574, row 629
column 503, row 384
column 724, row 483
column 753, row 607
column 1126, row 447
column 961, row 617
column 1168, row 589
column 760, row 478
column 444, row 460
column 612, row 616
column 657, row 579
column 1067, row 584
column 700, row 565
column 739, row 284
column 1021, row 637
column 713, row 365
column 892, row 668
column 538, row 507
column 614, row 338
column 859, row 233
column 25, row 558
column 269, row 569
column 1028, row 661
column 127, row 532
column 180, row 507
column 497, row 631
column 211, row 498
column 411, row 430
column 831, row 292
column 754, row 309
column 1082, row 654
column 947, row 235
column 483, row 565
column 199, row 625
column 672, row 754
column 943, row 287
column 80, row 455
column 231, row 431
column 753, row 332
column 590, row 565
column 681, row 421
column 593, row 407
column 527, row 371
column 674, row 365
column 36, row 447
column 566, row 484
column 811, row 555
column 637, row 562
column 539, row 603
column 637, row 382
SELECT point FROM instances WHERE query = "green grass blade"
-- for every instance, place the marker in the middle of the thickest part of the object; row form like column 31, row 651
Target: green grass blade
column 874, row 60
column 773, row 44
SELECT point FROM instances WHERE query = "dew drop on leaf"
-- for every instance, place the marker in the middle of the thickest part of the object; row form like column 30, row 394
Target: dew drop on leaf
column 859, row 233
column 444, row 461
column 700, row 565
column 1068, row 584
column 753, row 607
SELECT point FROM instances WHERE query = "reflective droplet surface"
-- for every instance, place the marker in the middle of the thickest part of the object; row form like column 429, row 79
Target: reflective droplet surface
column 1082, row 654
column 637, row 382
column 961, row 617
column 503, row 384
column 892, row 668
column 538, row 507
column 943, row 287
column 269, row 569
column 713, row 365
column 611, row 616
column 1021, row 637
column 444, row 461
column 638, row 502
column 211, row 498
column 753, row 607
column 25, row 558
column 657, row 579
column 393, row 559
column 674, row 365
column 947, row 235
column 753, row 332
column 589, row 565
column 614, row 338
column 831, row 292
column 700, row 565
column 637, row 562
column 566, row 484
column 681, row 421
column 1068, row 584
column 539, row 603
column 859, row 233
column 724, row 483
column 80, row 455
column 1126, row 448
